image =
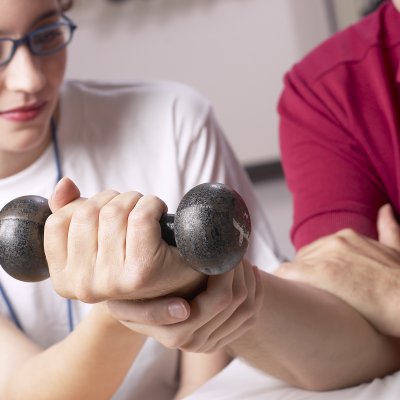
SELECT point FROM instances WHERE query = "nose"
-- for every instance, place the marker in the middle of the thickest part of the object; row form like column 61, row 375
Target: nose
column 24, row 72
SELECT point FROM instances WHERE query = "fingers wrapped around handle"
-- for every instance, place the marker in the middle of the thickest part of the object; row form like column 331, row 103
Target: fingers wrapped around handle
column 211, row 230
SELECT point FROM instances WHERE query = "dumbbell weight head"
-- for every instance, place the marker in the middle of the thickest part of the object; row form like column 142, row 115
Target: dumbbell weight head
column 21, row 238
column 212, row 228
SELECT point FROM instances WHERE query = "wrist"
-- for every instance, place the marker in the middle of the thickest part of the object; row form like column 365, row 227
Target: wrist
column 195, row 285
column 105, row 320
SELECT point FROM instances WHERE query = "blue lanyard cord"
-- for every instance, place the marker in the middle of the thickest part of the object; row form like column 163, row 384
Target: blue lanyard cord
column 56, row 149
column 3, row 293
column 16, row 320
column 70, row 315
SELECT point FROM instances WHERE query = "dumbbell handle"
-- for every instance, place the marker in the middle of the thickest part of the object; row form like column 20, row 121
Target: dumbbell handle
column 210, row 229
column 167, row 224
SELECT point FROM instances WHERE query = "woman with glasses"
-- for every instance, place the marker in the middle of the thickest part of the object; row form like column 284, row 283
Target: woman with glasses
column 157, row 138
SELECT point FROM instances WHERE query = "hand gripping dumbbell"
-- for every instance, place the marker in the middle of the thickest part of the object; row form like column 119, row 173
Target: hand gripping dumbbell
column 211, row 230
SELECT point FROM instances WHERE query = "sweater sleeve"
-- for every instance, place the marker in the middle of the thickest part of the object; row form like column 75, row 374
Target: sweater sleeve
column 327, row 170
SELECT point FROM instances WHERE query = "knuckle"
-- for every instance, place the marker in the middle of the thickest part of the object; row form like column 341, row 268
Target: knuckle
column 54, row 223
column 152, row 199
column 338, row 242
column 86, row 212
column 135, row 278
column 139, row 216
column 60, row 288
column 111, row 193
column 346, row 235
column 112, row 285
column 111, row 211
column 85, row 294
column 144, row 209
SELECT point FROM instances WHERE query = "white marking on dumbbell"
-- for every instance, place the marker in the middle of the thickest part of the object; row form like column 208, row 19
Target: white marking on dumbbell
column 243, row 233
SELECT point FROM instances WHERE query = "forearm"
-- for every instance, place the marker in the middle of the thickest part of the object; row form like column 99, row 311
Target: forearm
column 89, row 364
column 313, row 340
column 198, row 368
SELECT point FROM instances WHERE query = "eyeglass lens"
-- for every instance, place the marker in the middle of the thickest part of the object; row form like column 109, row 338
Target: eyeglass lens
column 48, row 40
column 42, row 42
column 6, row 48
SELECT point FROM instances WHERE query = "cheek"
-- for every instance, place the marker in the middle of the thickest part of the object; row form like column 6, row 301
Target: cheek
column 59, row 72
column 55, row 71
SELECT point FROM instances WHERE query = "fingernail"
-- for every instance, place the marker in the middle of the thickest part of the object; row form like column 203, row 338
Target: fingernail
column 177, row 310
column 57, row 188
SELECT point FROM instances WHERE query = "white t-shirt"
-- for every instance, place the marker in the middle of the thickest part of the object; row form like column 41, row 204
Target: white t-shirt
column 156, row 138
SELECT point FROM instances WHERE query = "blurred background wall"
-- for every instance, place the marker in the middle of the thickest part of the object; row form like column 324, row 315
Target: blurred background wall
column 233, row 51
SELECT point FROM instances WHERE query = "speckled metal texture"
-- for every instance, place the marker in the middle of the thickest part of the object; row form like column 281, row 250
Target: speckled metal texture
column 212, row 228
column 21, row 238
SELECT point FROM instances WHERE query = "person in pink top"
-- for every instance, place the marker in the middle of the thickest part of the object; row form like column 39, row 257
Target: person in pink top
column 339, row 129
column 340, row 144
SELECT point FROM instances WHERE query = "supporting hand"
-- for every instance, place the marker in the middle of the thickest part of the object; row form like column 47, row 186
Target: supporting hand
column 223, row 312
column 363, row 272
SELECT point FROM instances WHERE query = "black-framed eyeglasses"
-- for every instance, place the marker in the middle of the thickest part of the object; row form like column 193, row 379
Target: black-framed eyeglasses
column 44, row 41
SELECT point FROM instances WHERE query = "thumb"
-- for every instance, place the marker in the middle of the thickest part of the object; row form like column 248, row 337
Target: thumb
column 152, row 312
column 388, row 227
column 64, row 192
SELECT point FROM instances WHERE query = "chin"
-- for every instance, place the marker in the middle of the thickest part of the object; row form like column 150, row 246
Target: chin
column 25, row 140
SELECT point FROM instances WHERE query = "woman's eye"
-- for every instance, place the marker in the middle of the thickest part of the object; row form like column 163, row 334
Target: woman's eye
column 48, row 39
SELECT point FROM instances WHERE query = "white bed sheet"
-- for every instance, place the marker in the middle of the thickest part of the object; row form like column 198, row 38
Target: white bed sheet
column 239, row 381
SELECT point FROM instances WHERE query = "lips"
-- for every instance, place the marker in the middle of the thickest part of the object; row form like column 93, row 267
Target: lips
column 24, row 113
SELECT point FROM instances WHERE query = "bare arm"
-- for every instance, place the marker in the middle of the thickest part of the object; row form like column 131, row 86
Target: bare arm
column 313, row 340
column 296, row 332
column 89, row 364
column 357, row 275
column 196, row 369
column 363, row 272
column 293, row 331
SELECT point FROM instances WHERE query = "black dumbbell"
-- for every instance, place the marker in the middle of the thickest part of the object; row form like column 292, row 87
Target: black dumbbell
column 211, row 230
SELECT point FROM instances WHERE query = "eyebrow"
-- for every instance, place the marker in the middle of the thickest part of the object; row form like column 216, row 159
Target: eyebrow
column 44, row 15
